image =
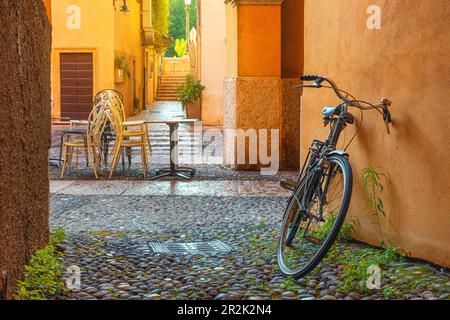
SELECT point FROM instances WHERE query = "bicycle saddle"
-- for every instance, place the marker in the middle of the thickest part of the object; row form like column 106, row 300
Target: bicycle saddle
column 329, row 111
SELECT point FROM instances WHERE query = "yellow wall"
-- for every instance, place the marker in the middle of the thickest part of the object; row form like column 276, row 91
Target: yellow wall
column 214, row 52
column 406, row 61
column 231, row 41
column 106, row 33
column 128, row 44
column 92, row 37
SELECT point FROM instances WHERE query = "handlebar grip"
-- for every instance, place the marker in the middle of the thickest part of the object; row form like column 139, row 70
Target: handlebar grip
column 309, row 78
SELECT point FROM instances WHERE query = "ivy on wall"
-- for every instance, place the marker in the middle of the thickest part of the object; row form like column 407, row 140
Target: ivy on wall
column 160, row 20
column 160, row 16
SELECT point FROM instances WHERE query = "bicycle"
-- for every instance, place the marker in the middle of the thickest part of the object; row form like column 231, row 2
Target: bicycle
column 321, row 196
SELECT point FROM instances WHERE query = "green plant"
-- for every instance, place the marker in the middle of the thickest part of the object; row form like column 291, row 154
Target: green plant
column 180, row 47
column 345, row 233
column 122, row 63
column 160, row 20
column 356, row 262
column 290, row 284
column 43, row 274
column 372, row 182
column 261, row 225
column 160, row 16
column 191, row 90
column 58, row 235
column 177, row 22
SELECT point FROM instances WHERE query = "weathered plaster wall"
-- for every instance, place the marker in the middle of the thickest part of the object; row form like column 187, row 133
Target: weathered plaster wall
column 292, row 19
column 91, row 37
column 290, row 126
column 128, row 44
column 408, row 62
column 24, row 135
column 213, row 64
column 259, row 40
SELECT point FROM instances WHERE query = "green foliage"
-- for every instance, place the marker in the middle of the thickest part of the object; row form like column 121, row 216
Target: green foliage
column 58, row 235
column 160, row 16
column 177, row 22
column 43, row 274
column 347, row 230
column 356, row 262
column 180, row 47
column 122, row 63
column 324, row 230
column 191, row 91
column 261, row 225
column 160, row 20
column 290, row 284
column 372, row 182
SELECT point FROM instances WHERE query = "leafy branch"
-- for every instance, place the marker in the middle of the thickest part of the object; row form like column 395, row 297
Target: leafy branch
column 372, row 182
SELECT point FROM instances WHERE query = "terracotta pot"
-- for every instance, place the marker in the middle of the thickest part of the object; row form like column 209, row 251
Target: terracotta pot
column 194, row 110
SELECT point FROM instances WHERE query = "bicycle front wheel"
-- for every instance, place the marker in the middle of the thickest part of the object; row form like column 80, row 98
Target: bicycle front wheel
column 314, row 217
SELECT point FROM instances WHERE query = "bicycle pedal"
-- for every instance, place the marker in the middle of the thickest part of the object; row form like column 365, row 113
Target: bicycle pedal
column 288, row 184
column 313, row 240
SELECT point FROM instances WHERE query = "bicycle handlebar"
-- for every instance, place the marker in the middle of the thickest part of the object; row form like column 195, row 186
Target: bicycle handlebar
column 384, row 104
column 318, row 80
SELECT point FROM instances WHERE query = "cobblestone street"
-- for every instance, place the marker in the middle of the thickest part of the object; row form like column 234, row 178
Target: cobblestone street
column 111, row 227
column 115, row 227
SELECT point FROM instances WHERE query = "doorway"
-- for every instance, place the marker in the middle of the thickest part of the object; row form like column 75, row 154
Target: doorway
column 76, row 74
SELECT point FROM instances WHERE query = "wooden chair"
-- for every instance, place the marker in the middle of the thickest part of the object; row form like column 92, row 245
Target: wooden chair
column 129, row 134
column 92, row 143
column 116, row 98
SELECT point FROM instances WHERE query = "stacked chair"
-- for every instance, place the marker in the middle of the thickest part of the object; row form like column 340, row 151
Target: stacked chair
column 108, row 109
column 129, row 134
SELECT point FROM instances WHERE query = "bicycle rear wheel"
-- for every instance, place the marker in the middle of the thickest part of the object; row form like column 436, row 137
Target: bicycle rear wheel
column 313, row 218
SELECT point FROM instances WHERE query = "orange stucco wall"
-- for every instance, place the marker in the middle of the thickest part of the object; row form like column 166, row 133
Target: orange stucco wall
column 259, row 40
column 292, row 19
column 48, row 6
column 408, row 62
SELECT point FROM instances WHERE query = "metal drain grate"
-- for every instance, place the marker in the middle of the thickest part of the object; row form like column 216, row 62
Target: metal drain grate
column 210, row 247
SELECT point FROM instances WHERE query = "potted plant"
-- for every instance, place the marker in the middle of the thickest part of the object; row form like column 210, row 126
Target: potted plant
column 189, row 95
column 121, row 65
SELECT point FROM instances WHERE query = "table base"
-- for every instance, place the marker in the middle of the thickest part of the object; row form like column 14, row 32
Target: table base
column 180, row 172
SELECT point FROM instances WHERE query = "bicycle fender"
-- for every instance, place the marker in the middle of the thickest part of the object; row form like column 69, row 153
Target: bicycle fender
column 338, row 153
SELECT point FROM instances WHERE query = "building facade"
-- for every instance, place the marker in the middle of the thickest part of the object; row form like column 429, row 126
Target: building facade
column 397, row 49
column 97, row 46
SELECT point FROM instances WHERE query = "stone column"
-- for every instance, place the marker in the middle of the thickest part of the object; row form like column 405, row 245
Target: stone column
column 25, row 43
column 254, row 87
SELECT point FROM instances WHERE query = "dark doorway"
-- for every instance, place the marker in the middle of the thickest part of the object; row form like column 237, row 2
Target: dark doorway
column 76, row 85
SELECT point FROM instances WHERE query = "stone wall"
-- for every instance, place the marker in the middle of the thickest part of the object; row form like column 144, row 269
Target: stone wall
column 290, row 133
column 25, row 40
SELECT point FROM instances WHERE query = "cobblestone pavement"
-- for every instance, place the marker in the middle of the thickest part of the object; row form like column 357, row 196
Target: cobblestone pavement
column 117, row 227
column 112, row 238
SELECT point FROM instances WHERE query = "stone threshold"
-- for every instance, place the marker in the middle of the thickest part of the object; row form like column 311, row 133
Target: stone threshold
column 205, row 188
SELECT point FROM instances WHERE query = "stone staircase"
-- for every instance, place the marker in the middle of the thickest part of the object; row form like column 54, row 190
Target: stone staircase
column 167, row 88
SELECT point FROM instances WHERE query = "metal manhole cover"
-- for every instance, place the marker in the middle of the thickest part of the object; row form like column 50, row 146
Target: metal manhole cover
column 210, row 247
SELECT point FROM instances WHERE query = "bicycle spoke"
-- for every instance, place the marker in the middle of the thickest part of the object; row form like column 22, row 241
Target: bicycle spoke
column 309, row 220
